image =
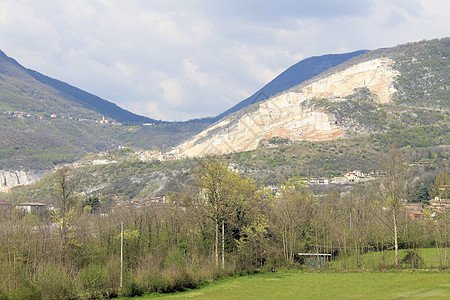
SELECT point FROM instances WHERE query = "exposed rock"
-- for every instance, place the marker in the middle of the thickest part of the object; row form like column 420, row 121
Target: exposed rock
column 287, row 116
column 12, row 178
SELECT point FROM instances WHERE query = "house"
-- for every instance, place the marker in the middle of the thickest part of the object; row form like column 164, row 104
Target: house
column 438, row 204
column 414, row 210
column 414, row 215
column 322, row 180
column 314, row 180
column 351, row 177
column 379, row 173
column 32, row 207
column 4, row 205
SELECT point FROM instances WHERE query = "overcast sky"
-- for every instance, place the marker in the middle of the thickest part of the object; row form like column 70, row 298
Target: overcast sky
column 176, row 60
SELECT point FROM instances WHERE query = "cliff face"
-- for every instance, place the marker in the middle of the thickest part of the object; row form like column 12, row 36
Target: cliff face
column 288, row 116
column 12, row 178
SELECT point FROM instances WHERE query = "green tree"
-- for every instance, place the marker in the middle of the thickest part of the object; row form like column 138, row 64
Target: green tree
column 224, row 194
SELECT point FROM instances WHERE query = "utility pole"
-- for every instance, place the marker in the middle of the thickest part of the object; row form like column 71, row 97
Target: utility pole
column 121, row 254
column 223, row 244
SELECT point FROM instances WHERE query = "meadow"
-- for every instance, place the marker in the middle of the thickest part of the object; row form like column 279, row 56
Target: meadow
column 323, row 285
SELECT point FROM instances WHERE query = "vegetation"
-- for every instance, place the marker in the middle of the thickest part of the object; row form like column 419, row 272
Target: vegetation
column 323, row 285
column 214, row 221
column 219, row 225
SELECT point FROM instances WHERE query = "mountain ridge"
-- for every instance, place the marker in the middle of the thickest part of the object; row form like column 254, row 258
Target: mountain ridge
column 244, row 129
column 71, row 93
column 314, row 66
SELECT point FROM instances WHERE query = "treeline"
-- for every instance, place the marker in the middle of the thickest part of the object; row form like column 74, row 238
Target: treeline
column 222, row 225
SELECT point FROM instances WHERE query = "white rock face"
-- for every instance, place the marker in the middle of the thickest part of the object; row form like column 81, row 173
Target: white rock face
column 285, row 116
column 12, row 178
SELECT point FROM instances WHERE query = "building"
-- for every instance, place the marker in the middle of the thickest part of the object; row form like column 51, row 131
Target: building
column 354, row 175
column 438, row 204
column 32, row 207
column 321, row 180
column 414, row 210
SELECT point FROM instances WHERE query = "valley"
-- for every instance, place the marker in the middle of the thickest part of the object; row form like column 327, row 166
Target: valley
column 343, row 167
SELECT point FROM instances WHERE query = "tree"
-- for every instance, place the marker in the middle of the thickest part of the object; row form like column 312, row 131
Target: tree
column 439, row 188
column 292, row 214
column 393, row 190
column 64, row 215
column 224, row 193
column 91, row 204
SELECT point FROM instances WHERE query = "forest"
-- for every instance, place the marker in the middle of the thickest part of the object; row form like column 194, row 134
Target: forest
column 222, row 224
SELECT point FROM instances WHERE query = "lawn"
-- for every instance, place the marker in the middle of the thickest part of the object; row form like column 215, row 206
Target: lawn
column 324, row 285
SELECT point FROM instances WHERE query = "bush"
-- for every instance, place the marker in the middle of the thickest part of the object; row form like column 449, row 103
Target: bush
column 3, row 296
column 133, row 289
column 413, row 259
column 25, row 292
column 54, row 282
column 92, row 279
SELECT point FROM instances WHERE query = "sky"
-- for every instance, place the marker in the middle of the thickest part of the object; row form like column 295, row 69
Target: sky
column 178, row 60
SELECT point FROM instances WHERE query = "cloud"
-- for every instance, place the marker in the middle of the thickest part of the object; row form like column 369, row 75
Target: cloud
column 181, row 59
column 172, row 91
column 153, row 111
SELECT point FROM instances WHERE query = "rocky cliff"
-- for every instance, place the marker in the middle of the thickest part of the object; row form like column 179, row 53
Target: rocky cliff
column 12, row 178
column 288, row 116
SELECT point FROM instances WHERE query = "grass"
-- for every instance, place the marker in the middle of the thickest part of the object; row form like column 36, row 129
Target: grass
column 323, row 285
column 383, row 260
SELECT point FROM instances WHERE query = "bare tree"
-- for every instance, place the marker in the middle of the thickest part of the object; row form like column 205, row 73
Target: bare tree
column 393, row 190
column 64, row 215
column 292, row 213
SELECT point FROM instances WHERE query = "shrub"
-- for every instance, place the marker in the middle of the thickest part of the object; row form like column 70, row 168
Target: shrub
column 413, row 259
column 25, row 292
column 3, row 296
column 133, row 289
column 53, row 281
column 92, row 279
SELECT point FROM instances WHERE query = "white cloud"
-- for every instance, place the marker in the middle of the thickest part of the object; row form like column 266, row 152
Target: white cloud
column 173, row 92
column 124, row 68
column 152, row 109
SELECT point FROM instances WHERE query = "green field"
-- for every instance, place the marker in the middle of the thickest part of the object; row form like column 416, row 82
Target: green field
column 323, row 285
column 433, row 258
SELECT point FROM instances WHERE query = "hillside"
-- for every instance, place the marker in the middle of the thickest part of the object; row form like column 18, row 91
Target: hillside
column 46, row 122
column 294, row 75
column 388, row 88
column 341, row 120
column 26, row 90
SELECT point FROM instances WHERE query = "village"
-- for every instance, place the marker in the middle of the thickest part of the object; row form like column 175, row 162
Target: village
column 439, row 204
column 53, row 116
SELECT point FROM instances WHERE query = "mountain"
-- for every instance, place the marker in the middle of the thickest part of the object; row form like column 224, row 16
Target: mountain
column 47, row 122
column 344, row 119
column 370, row 93
column 294, row 75
column 54, row 96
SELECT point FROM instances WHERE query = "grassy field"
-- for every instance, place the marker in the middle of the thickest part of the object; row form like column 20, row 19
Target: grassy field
column 323, row 285
column 432, row 258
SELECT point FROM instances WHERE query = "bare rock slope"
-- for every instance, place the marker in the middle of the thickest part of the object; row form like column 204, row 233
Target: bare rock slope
column 286, row 115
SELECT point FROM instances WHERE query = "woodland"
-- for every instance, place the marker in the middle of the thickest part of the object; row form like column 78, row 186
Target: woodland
column 220, row 225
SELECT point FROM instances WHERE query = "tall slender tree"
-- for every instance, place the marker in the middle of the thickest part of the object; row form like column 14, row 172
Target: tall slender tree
column 393, row 190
